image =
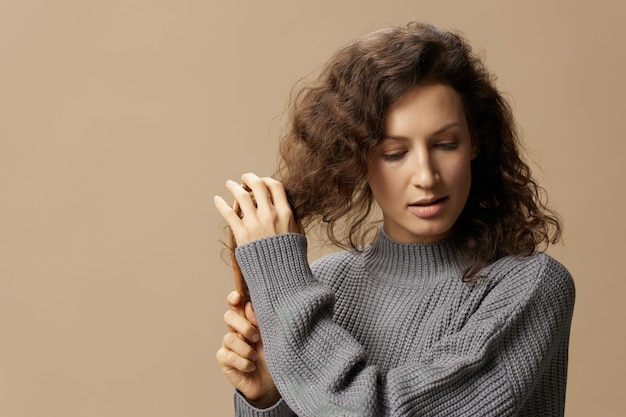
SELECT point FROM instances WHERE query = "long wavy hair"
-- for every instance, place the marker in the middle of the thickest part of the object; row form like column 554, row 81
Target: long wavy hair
column 337, row 121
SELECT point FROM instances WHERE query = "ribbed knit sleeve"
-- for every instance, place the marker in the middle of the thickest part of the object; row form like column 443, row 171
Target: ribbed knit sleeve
column 244, row 409
column 493, row 348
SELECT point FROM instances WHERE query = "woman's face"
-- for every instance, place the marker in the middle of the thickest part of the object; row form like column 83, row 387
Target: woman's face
column 420, row 174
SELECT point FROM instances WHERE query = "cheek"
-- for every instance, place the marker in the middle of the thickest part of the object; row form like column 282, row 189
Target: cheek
column 380, row 182
column 376, row 187
column 461, row 176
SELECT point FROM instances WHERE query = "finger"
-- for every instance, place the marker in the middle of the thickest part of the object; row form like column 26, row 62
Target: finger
column 233, row 299
column 228, row 359
column 227, row 212
column 287, row 222
column 277, row 193
column 234, row 221
column 240, row 324
column 259, row 190
column 251, row 315
column 243, row 197
column 240, row 347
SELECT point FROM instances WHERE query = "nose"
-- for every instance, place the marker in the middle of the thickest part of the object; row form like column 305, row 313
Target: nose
column 425, row 174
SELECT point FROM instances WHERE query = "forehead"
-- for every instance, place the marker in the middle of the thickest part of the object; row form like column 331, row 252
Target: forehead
column 424, row 109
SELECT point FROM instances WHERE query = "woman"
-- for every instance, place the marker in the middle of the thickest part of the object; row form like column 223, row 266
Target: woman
column 451, row 309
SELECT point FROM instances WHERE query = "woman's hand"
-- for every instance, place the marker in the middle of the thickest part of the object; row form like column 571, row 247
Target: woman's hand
column 265, row 210
column 242, row 357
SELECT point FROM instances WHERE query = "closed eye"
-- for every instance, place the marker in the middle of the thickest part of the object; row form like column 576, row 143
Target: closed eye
column 393, row 156
column 447, row 145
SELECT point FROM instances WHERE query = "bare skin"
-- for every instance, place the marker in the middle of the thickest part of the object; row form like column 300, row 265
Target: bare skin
column 241, row 356
column 265, row 212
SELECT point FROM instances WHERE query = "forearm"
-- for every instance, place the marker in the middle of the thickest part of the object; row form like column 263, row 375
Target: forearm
column 322, row 369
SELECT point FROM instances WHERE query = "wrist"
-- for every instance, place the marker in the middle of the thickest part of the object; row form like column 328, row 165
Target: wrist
column 267, row 400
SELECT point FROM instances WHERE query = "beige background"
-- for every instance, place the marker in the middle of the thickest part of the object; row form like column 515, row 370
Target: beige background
column 120, row 119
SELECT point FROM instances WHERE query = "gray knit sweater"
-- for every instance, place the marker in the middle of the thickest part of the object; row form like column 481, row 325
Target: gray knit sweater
column 394, row 331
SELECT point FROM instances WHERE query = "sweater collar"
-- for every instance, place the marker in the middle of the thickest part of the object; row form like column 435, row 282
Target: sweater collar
column 389, row 259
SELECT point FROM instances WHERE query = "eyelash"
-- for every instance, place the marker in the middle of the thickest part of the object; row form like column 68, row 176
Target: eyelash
column 394, row 156
column 446, row 146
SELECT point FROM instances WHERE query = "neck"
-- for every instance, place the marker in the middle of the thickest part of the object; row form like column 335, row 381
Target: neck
column 399, row 261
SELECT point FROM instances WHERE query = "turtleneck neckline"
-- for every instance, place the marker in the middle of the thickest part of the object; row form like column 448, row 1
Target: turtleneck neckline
column 396, row 261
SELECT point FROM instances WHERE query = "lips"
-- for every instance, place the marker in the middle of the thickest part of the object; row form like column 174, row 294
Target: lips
column 430, row 207
column 428, row 201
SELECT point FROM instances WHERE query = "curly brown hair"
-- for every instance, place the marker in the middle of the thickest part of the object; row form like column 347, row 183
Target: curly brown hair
column 337, row 121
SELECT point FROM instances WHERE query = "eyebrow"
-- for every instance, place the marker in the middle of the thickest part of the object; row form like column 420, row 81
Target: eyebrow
column 437, row 132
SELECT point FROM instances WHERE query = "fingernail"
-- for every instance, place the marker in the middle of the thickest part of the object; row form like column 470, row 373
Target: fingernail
column 254, row 357
column 231, row 182
column 254, row 337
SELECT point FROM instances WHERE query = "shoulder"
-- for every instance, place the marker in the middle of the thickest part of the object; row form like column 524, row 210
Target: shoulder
column 538, row 275
column 336, row 265
column 536, row 267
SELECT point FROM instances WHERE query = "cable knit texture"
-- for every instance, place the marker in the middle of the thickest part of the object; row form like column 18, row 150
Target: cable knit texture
column 394, row 331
